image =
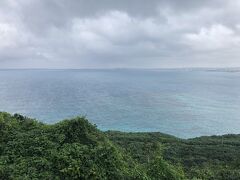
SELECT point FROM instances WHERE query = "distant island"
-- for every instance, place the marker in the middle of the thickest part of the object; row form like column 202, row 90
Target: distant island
column 76, row 149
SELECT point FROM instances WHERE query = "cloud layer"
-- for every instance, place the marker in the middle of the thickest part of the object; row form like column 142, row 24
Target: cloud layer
column 111, row 34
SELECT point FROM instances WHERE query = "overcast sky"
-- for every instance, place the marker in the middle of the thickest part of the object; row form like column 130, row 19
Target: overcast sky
column 119, row 34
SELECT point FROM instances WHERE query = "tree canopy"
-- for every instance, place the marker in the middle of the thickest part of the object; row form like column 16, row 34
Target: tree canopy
column 70, row 149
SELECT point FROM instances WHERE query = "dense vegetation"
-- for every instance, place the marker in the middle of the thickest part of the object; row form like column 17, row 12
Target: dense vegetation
column 76, row 149
column 213, row 157
column 71, row 149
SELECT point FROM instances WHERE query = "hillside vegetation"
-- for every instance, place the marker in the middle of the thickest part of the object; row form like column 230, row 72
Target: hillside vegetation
column 76, row 149
column 212, row 157
column 70, row 149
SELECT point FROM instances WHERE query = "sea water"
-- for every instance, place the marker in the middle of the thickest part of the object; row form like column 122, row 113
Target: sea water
column 181, row 102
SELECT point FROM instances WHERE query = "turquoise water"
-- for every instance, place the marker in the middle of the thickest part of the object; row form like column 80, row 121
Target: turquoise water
column 184, row 103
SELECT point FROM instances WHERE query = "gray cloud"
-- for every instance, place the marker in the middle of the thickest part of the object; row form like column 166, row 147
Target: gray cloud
column 107, row 33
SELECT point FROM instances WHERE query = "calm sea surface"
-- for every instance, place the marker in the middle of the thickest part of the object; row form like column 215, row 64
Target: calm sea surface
column 183, row 103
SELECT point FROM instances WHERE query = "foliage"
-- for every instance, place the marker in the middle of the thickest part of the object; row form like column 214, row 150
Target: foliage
column 70, row 149
column 213, row 157
column 76, row 149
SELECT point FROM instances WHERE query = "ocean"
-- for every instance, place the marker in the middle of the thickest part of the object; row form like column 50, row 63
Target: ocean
column 182, row 102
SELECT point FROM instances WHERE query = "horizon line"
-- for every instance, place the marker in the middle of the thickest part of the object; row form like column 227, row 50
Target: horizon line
column 121, row 68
